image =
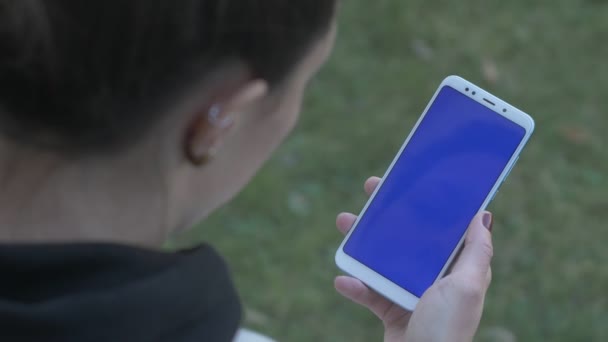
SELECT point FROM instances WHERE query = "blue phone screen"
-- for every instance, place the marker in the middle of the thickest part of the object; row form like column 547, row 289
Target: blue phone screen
column 436, row 187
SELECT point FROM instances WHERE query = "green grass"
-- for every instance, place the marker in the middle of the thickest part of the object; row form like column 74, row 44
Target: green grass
column 550, row 269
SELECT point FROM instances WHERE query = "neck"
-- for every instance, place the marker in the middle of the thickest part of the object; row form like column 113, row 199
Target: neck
column 48, row 199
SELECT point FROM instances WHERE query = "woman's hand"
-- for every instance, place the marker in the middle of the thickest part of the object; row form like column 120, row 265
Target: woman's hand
column 451, row 309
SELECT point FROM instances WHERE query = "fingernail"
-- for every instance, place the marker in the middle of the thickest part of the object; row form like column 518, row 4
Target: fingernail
column 488, row 221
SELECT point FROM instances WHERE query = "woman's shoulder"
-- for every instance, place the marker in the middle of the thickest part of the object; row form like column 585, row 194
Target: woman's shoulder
column 97, row 292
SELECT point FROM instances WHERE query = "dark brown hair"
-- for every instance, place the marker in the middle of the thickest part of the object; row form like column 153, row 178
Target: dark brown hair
column 92, row 75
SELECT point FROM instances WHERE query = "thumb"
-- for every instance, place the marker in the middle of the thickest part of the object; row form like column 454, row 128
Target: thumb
column 478, row 250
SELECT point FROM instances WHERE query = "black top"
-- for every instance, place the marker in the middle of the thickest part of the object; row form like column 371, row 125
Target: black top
column 115, row 293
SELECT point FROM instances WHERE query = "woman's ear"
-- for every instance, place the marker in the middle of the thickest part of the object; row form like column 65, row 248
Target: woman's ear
column 212, row 123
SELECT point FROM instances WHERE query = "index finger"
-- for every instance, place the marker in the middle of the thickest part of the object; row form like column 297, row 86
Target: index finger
column 371, row 184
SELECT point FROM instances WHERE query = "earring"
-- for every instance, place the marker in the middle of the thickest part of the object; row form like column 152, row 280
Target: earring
column 213, row 119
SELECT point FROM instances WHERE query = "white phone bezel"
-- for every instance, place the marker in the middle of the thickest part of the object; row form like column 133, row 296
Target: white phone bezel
column 377, row 282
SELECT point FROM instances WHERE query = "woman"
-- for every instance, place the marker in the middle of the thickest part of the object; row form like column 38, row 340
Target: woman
column 125, row 121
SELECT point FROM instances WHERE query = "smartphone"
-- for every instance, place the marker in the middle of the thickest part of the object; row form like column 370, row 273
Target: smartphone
column 449, row 169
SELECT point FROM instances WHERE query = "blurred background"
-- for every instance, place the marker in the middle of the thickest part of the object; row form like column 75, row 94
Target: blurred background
column 550, row 58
